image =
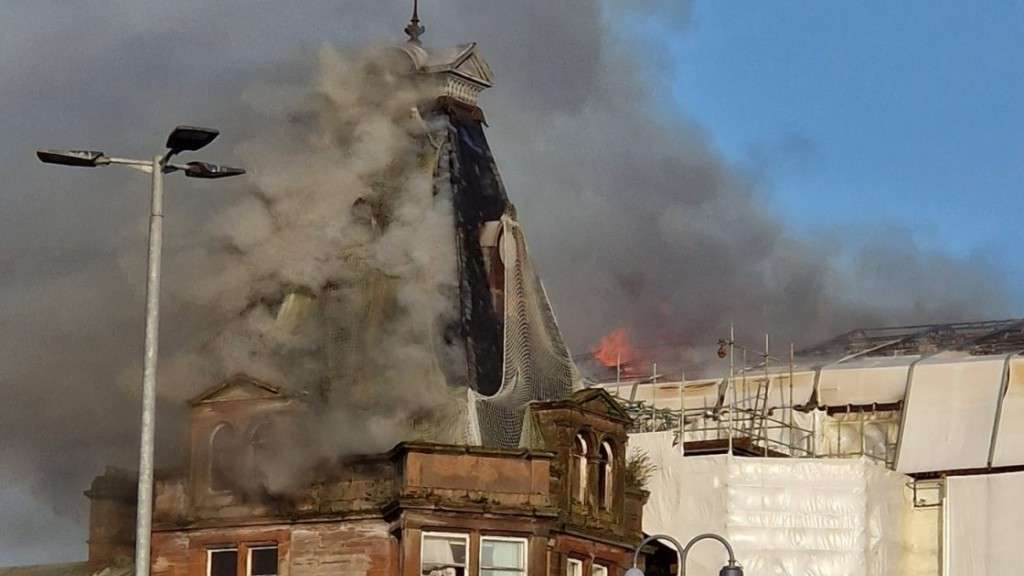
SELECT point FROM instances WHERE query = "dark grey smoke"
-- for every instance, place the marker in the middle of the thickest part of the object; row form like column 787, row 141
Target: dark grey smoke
column 632, row 216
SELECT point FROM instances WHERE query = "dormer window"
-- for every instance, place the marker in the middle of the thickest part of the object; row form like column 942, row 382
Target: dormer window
column 605, row 476
column 459, row 73
column 223, row 448
column 578, row 470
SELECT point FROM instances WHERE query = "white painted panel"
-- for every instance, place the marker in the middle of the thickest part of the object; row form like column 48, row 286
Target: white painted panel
column 1009, row 445
column 867, row 381
column 949, row 413
column 983, row 531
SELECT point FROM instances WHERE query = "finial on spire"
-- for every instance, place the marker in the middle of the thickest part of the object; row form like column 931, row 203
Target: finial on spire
column 414, row 30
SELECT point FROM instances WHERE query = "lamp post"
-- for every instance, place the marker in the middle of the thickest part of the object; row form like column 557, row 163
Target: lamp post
column 182, row 139
column 730, row 569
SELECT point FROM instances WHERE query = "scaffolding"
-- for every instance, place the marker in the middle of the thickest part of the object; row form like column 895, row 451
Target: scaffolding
column 755, row 410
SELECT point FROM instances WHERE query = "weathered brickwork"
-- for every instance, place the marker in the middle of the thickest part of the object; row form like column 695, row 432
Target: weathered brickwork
column 367, row 515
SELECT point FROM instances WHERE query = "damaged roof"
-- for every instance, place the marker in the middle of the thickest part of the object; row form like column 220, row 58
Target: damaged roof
column 976, row 338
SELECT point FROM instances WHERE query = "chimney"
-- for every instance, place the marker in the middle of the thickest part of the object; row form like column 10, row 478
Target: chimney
column 112, row 498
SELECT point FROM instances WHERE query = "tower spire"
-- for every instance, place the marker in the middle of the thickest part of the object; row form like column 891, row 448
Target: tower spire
column 414, row 30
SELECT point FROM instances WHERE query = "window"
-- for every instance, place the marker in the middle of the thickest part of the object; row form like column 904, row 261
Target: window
column 579, row 469
column 573, row 567
column 598, row 570
column 262, row 561
column 222, row 458
column 605, row 476
column 261, row 440
column 502, row 556
column 222, row 562
column 443, row 554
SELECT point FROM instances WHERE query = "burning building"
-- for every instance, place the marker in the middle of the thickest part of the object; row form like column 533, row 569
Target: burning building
column 504, row 464
column 560, row 504
column 889, row 450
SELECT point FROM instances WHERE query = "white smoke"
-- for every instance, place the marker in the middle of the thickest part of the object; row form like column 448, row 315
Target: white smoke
column 342, row 244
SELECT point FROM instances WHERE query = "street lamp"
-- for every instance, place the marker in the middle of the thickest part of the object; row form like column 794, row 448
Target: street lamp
column 182, row 139
column 730, row 569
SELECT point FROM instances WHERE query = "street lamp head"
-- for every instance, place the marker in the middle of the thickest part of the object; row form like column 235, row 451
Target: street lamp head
column 190, row 138
column 211, row 171
column 87, row 158
column 731, row 570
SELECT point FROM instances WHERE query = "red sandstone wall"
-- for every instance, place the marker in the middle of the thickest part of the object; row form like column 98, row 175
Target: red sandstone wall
column 615, row 558
column 348, row 549
column 354, row 548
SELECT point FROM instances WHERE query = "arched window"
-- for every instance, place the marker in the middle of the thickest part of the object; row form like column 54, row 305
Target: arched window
column 578, row 472
column 605, row 476
column 223, row 450
column 261, row 442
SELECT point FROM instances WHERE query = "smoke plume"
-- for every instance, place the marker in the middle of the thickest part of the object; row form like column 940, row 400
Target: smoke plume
column 633, row 217
column 335, row 276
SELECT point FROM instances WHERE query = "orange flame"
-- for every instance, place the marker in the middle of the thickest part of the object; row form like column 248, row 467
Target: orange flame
column 614, row 349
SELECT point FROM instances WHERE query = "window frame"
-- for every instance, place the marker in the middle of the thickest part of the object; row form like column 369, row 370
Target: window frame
column 463, row 535
column 606, row 475
column 517, row 539
column 248, row 558
column 220, row 428
column 580, row 463
column 571, row 562
column 213, row 549
column 598, row 569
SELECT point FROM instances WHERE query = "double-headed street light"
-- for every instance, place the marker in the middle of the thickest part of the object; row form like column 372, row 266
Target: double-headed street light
column 182, row 139
column 730, row 569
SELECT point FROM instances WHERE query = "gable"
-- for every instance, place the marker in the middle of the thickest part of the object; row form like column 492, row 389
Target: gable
column 475, row 67
column 598, row 400
column 236, row 388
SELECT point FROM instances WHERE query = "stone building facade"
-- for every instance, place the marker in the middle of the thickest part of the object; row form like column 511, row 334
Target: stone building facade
column 558, row 506
column 530, row 478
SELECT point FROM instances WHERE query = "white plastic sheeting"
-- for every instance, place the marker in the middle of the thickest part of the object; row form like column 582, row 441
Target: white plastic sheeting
column 785, row 517
column 697, row 394
column 747, row 387
column 1009, row 444
column 982, row 527
column 864, row 381
column 949, row 413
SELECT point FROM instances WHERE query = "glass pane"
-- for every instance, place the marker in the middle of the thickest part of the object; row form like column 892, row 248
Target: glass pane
column 501, row 554
column 223, row 562
column 575, row 568
column 263, row 562
column 443, row 556
column 598, row 570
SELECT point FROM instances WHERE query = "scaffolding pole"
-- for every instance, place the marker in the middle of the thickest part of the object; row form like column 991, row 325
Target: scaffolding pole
column 682, row 410
column 732, row 383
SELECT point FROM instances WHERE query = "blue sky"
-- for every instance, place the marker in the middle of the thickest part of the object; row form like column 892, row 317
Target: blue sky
column 862, row 116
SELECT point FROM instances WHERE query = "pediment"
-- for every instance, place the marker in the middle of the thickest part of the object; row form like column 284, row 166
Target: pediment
column 475, row 67
column 236, row 388
column 600, row 401
column 464, row 61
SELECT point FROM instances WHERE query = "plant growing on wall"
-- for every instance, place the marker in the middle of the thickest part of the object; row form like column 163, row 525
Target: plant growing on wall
column 639, row 469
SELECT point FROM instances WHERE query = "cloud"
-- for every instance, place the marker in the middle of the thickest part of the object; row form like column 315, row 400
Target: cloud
column 632, row 216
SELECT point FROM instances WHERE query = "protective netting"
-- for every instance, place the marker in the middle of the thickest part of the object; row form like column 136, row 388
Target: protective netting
column 536, row 363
